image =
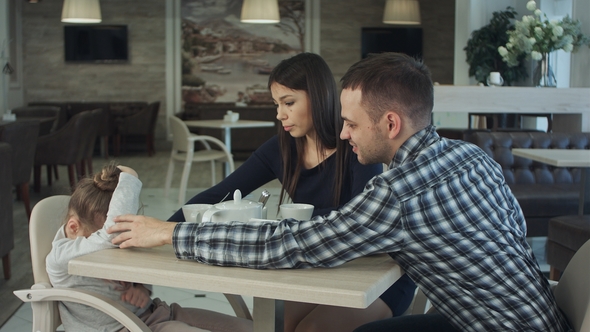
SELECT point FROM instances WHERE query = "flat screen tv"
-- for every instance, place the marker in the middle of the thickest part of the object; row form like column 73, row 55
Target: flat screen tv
column 96, row 43
column 398, row 39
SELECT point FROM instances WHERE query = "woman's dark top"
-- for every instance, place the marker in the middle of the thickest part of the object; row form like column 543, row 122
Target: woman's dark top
column 315, row 186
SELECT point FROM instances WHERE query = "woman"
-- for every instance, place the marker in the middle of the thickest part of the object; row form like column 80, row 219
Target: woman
column 314, row 167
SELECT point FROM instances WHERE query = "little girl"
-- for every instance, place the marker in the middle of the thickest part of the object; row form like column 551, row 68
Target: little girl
column 93, row 205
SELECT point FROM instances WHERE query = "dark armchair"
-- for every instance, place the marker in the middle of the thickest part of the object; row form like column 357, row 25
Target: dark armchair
column 6, row 227
column 99, row 116
column 66, row 146
column 142, row 123
column 22, row 137
column 41, row 112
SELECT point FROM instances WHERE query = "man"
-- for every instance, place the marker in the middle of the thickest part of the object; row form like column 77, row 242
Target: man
column 442, row 210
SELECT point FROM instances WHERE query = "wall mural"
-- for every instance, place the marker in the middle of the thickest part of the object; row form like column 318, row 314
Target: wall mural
column 224, row 60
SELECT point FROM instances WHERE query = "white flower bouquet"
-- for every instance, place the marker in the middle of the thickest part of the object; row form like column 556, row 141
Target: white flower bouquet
column 535, row 36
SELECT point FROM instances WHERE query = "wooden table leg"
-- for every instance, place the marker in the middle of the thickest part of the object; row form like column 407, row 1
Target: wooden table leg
column 268, row 315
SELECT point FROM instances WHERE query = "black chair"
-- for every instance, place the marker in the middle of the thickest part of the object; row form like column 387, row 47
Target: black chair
column 22, row 137
column 142, row 123
column 6, row 227
column 99, row 116
column 37, row 112
column 66, row 146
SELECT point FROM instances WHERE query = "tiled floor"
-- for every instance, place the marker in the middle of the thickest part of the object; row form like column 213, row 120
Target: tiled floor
column 156, row 205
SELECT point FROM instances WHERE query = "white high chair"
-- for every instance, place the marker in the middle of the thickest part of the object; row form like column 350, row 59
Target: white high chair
column 47, row 216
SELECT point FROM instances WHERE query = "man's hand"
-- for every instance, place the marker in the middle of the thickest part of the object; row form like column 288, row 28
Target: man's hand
column 136, row 295
column 141, row 231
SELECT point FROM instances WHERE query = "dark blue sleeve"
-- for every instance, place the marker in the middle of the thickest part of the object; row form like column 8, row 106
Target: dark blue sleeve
column 262, row 166
column 355, row 180
column 361, row 174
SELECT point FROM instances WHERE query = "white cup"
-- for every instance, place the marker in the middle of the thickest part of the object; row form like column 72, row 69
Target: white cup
column 194, row 212
column 495, row 78
column 297, row 211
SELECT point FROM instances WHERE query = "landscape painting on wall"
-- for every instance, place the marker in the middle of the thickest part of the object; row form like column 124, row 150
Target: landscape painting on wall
column 224, row 60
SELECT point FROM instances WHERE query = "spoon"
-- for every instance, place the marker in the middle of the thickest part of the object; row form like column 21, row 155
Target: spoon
column 264, row 195
column 224, row 197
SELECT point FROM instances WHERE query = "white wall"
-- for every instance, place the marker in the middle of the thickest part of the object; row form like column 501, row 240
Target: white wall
column 471, row 15
column 580, row 72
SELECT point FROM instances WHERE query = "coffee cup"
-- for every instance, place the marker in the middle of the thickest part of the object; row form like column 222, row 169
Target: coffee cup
column 297, row 211
column 194, row 212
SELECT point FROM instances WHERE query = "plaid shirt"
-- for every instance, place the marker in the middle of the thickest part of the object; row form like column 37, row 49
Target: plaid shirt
column 442, row 210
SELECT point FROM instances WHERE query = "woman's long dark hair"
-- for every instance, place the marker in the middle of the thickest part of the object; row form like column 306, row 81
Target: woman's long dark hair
column 309, row 72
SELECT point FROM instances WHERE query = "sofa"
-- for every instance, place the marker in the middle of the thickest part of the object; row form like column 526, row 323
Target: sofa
column 244, row 140
column 543, row 191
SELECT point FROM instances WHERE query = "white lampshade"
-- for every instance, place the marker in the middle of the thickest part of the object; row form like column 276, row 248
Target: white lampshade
column 402, row 12
column 260, row 11
column 81, row 11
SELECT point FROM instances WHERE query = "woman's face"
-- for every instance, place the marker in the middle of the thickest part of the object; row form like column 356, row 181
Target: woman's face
column 293, row 110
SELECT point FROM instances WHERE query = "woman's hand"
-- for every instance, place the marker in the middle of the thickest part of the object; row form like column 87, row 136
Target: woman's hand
column 141, row 231
column 136, row 295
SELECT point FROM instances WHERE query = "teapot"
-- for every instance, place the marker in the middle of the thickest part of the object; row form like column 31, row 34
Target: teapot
column 237, row 210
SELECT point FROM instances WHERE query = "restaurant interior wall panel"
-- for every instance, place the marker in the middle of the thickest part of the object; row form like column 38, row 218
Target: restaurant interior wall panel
column 47, row 77
column 341, row 23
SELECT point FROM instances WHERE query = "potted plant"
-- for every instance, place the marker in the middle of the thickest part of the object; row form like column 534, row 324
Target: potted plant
column 482, row 50
column 535, row 36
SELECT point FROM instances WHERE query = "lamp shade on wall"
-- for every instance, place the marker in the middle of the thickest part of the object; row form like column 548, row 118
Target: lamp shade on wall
column 260, row 11
column 402, row 12
column 81, row 11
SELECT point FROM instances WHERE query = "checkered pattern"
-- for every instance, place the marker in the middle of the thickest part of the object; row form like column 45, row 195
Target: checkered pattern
column 442, row 210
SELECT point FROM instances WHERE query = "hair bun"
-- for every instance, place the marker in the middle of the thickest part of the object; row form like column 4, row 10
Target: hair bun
column 108, row 179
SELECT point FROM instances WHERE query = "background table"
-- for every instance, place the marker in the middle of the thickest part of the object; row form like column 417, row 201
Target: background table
column 227, row 126
column 563, row 158
column 355, row 284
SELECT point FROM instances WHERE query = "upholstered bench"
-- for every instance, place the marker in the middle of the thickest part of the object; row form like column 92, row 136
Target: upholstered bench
column 543, row 191
column 566, row 235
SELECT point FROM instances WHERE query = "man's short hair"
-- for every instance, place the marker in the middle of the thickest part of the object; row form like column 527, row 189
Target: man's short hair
column 393, row 81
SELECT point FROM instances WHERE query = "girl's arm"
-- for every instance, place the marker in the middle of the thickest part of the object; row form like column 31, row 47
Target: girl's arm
column 125, row 200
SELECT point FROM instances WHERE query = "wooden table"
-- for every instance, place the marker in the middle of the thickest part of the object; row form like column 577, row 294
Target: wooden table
column 355, row 284
column 563, row 158
column 227, row 126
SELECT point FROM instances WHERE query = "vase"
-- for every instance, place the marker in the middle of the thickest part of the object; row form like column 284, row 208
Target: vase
column 543, row 75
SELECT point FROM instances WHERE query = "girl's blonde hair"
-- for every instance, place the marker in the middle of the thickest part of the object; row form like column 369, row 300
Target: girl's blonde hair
column 92, row 196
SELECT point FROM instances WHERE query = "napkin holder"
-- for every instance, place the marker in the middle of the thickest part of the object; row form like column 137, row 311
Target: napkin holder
column 9, row 116
column 231, row 117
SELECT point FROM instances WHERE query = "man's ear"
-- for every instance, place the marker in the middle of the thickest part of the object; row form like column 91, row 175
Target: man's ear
column 394, row 124
column 73, row 227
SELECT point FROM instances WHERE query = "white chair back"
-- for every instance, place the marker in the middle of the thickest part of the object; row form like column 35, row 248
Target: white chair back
column 183, row 150
column 47, row 216
column 180, row 134
column 572, row 293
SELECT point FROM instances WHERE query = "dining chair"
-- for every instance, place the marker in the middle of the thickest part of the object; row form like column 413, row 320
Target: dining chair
column 142, row 123
column 43, row 112
column 63, row 147
column 22, row 137
column 47, row 216
column 99, row 116
column 572, row 292
column 6, row 225
column 183, row 150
